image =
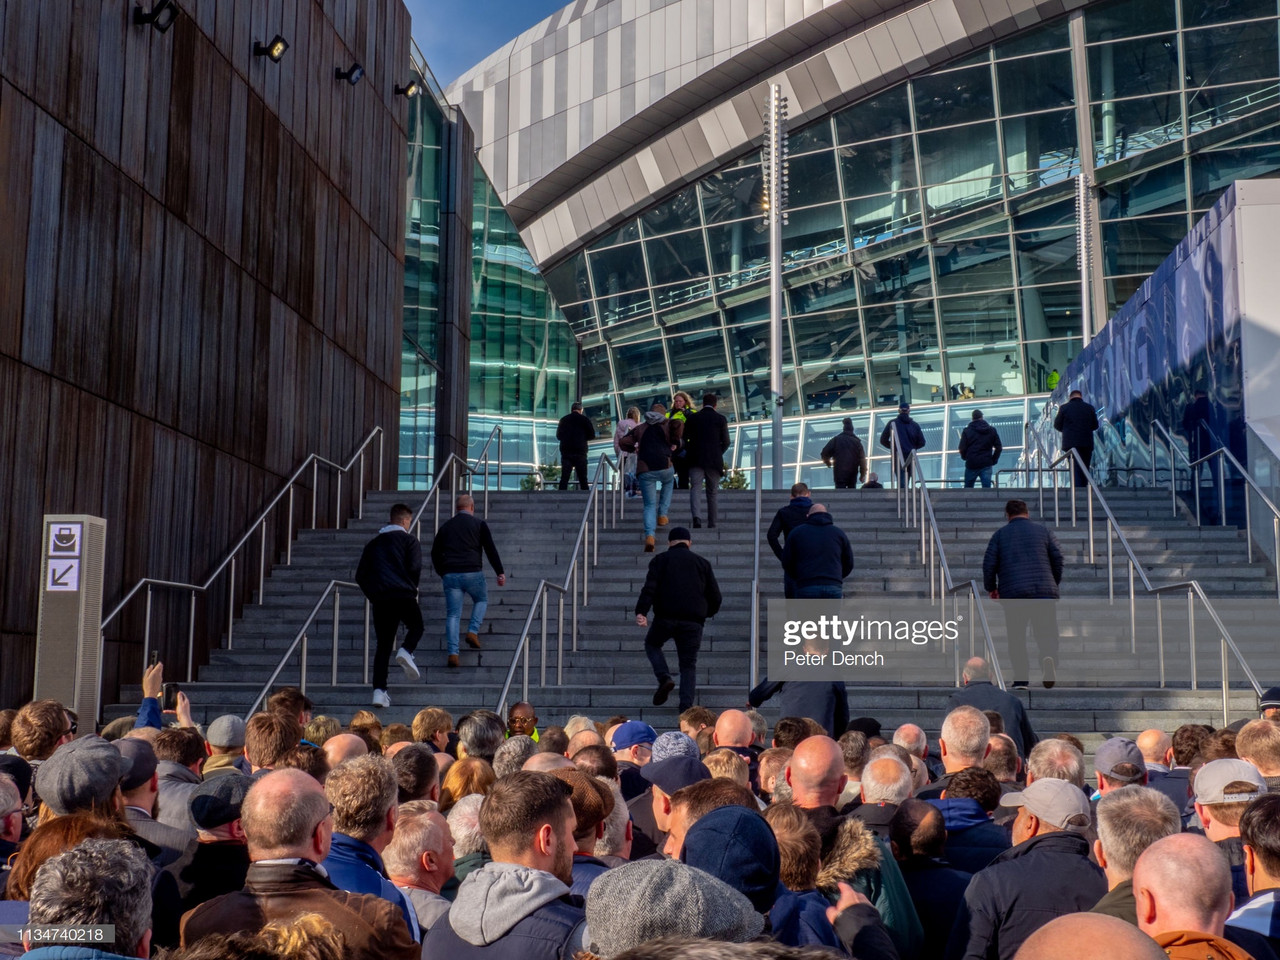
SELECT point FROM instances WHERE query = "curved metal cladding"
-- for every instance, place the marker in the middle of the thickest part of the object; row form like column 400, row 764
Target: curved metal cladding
column 932, row 250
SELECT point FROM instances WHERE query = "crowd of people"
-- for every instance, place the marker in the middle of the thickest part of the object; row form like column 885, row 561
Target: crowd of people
column 291, row 835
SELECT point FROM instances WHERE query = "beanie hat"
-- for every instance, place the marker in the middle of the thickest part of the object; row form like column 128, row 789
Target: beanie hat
column 638, row 902
column 673, row 743
column 737, row 845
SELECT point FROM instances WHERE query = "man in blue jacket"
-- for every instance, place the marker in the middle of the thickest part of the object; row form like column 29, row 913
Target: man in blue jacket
column 818, row 557
column 1023, row 562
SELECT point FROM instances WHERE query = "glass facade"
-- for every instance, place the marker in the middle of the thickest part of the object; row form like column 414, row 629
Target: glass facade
column 931, row 250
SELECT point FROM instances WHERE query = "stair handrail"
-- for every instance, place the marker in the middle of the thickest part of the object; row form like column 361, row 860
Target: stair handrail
column 1191, row 586
column 585, row 555
column 334, row 587
column 915, row 502
column 451, row 467
column 1224, row 456
column 753, row 668
column 259, row 526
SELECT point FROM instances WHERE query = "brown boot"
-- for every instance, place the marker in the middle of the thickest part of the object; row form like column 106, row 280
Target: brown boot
column 662, row 521
column 453, row 659
column 473, row 641
column 648, row 544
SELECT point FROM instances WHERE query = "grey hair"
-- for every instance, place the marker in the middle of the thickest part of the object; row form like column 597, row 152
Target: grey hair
column 615, row 825
column 912, row 739
column 876, row 789
column 413, row 837
column 781, row 791
column 966, row 731
column 511, row 755
column 1056, row 760
column 976, row 669
column 1130, row 820
column 96, row 882
column 10, row 798
column 464, row 825
column 362, row 790
column 576, row 724
column 481, row 733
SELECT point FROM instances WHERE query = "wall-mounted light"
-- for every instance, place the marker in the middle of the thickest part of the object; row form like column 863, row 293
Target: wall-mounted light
column 273, row 51
column 409, row 90
column 352, row 75
column 160, row 16
column 971, row 368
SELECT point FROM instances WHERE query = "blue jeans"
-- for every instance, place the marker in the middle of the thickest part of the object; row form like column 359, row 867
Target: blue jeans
column 455, row 585
column 820, row 591
column 656, row 504
column 971, row 475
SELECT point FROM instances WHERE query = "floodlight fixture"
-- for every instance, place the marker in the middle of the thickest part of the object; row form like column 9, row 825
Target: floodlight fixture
column 160, row 17
column 273, row 51
column 352, row 75
column 409, row 90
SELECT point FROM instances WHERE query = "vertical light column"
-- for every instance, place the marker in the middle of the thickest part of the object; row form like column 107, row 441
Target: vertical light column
column 1084, row 235
column 775, row 205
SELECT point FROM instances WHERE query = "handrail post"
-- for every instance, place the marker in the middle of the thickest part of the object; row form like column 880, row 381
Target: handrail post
column 337, row 602
column 262, row 564
column 1275, row 539
column 1248, row 522
column 560, row 641
column 302, row 666
column 542, row 676
column 1160, row 634
column 367, row 610
column 380, row 467
column 337, row 505
column 1133, row 614
column 231, row 601
column 1191, row 623
column 573, row 575
column 288, row 540
column 191, row 639
column 315, row 490
column 360, row 489
column 1222, row 490
column 146, row 631
column 1226, row 686
column 1089, row 495
column 1111, row 574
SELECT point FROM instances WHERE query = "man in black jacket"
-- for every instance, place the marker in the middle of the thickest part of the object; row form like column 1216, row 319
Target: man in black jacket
column 784, row 521
column 978, row 691
column 706, row 435
column 845, row 455
column 1076, row 421
column 818, row 557
column 1023, row 563
column 980, row 448
column 389, row 571
column 574, row 432
column 682, row 590
column 457, row 555
column 909, row 436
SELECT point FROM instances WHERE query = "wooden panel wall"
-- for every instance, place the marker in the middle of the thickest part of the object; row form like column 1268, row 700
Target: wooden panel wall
column 201, row 273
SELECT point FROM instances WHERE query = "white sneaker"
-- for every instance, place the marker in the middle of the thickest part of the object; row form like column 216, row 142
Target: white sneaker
column 405, row 659
column 380, row 698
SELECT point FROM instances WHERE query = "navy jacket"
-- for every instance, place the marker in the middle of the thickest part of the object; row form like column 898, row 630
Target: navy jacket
column 1023, row 561
column 1176, row 785
column 974, row 840
column 910, row 436
column 460, row 543
column 817, row 553
column 1077, row 421
column 787, row 519
column 827, row 703
column 680, row 585
column 937, row 890
column 985, row 695
column 356, row 867
column 980, row 445
column 391, row 565
column 574, row 431
column 706, row 434
column 1039, row 880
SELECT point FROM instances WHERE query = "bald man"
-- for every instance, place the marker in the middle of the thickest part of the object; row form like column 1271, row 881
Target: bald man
column 1061, row 939
column 733, row 730
column 581, row 739
column 547, row 763
column 1156, row 747
column 1182, row 886
column 344, row 746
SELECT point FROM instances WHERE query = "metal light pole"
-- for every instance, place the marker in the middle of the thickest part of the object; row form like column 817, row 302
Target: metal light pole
column 775, row 205
column 1084, row 229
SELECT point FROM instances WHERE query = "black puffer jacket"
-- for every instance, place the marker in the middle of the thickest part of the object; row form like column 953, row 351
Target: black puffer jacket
column 680, row 586
column 845, row 453
column 1023, row 561
column 391, row 565
column 980, row 445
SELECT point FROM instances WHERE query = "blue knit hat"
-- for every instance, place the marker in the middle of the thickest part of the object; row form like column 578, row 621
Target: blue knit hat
column 736, row 845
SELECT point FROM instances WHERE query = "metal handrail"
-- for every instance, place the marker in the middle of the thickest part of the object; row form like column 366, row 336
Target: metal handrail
column 586, row 554
column 933, row 554
column 300, row 638
column 1224, row 456
column 451, row 467
column 753, row 668
column 259, row 526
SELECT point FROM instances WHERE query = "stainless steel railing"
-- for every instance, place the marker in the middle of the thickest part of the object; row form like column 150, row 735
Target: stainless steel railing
column 258, row 527
column 585, row 555
column 753, row 667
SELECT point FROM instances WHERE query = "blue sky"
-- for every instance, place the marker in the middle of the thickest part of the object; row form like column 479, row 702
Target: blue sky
column 457, row 34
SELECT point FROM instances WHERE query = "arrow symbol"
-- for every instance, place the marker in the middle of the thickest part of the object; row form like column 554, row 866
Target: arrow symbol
column 59, row 579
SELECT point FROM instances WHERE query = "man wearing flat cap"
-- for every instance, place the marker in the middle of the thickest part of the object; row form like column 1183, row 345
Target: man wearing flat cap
column 139, row 788
column 592, row 803
column 82, row 776
column 224, row 742
column 220, row 861
column 681, row 589
column 1045, row 874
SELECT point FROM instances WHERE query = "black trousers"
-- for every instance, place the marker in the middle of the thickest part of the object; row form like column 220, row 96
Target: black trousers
column 1042, row 617
column 388, row 614
column 576, row 462
column 1086, row 454
column 688, row 637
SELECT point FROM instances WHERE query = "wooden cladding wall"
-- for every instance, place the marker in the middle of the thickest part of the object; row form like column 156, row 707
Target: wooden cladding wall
column 201, row 276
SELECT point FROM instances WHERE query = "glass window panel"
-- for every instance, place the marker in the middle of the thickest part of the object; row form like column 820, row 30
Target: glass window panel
column 1131, row 68
column 698, row 362
column 569, row 282
column 1195, row 13
column 1062, row 213
column 596, row 384
column 991, row 370
column 877, row 218
column 677, row 257
column 958, row 96
column 1047, row 256
column 642, row 374
column 1235, row 54
column 835, row 290
column 1138, row 125
column 1139, row 246
column 1212, row 172
column 671, row 216
column 1051, row 312
column 813, row 180
column 692, row 289
column 819, row 431
column 741, row 247
column 813, row 234
column 620, row 307
column 618, row 269
column 990, row 318
column 1040, row 149
column 973, row 265
column 731, row 194
column 966, row 153
column 954, row 198
column 1214, row 106
column 1045, row 358
column 744, row 451
column 813, row 137
column 1162, row 190
column 827, row 337
column 904, row 276
column 901, row 328
column 914, row 379
column 885, row 115
column 1035, row 83
column 626, row 233
column 1128, row 18
column 885, row 166
column 1120, row 289
column 837, row 386
column 749, row 366
column 1050, row 37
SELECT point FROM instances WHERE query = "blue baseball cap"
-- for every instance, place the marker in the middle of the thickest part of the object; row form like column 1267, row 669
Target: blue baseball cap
column 633, row 733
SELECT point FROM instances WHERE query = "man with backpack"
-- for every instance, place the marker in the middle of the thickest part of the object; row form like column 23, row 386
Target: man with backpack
column 653, row 442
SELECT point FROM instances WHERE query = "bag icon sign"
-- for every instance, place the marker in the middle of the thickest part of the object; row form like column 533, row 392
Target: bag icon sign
column 64, row 539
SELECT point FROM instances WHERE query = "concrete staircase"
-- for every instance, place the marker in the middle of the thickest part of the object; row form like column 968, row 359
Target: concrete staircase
column 609, row 674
